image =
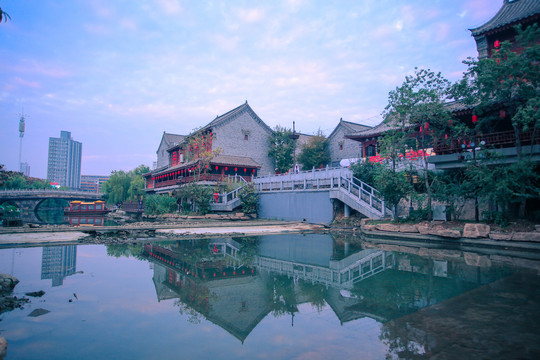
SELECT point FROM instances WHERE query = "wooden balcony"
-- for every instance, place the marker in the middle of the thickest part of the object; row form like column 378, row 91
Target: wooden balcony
column 497, row 140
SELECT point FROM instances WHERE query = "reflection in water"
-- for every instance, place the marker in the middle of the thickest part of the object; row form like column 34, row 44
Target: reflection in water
column 236, row 282
column 290, row 296
column 85, row 220
column 58, row 262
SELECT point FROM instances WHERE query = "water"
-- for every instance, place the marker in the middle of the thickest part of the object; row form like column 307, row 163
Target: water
column 279, row 297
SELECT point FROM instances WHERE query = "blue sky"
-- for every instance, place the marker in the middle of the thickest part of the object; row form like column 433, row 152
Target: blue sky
column 118, row 73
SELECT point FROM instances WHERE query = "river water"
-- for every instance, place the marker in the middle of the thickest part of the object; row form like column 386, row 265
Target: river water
column 309, row 296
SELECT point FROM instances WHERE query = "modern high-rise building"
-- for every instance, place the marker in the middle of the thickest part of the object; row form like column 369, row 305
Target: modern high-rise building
column 64, row 164
column 93, row 183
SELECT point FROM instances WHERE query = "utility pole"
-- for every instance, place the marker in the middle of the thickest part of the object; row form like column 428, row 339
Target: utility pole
column 294, row 136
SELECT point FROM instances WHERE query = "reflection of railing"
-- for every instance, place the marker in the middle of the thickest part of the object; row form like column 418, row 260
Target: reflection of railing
column 340, row 274
column 498, row 140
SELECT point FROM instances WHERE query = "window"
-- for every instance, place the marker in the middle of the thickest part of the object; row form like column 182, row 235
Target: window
column 340, row 146
column 246, row 137
column 370, row 151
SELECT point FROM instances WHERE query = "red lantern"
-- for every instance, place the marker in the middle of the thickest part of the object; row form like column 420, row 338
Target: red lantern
column 502, row 114
column 497, row 44
column 474, row 119
column 253, row 170
column 226, row 168
column 450, row 122
column 245, row 169
column 216, row 167
column 235, row 169
column 426, row 125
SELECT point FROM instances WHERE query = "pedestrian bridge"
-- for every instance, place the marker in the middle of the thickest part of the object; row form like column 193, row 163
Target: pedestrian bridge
column 31, row 199
column 314, row 195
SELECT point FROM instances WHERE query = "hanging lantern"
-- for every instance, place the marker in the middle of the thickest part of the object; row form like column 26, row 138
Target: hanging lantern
column 474, row 119
column 245, row 170
column 426, row 125
column 450, row 122
column 502, row 114
column 253, row 170
column 235, row 169
column 445, row 136
column 497, row 44
column 216, row 167
column 226, row 168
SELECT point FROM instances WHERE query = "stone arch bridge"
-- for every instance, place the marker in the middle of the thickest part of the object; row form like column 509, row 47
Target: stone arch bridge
column 29, row 200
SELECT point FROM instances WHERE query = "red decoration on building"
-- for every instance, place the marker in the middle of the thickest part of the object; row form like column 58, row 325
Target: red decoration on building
column 502, row 114
column 235, row 169
column 216, row 167
column 497, row 44
column 426, row 125
column 245, row 169
column 226, row 168
column 474, row 119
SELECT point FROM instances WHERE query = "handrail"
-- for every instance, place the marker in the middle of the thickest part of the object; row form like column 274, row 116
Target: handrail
column 335, row 179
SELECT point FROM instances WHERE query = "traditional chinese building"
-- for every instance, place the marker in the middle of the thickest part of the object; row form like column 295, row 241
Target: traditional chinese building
column 167, row 141
column 452, row 152
column 500, row 28
column 341, row 147
column 233, row 144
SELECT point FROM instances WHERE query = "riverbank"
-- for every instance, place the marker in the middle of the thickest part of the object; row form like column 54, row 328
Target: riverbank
column 160, row 229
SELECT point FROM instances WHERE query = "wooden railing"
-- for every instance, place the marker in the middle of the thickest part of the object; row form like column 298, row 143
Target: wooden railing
column 202, row 177
column 497, row 140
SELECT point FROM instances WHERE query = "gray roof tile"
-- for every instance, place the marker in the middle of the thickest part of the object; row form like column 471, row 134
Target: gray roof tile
column 510, row 12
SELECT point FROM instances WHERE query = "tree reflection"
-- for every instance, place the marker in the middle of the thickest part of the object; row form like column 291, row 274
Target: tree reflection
column 283, row 296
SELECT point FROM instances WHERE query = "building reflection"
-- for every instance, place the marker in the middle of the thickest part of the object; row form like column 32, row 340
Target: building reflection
column 58, row 262
column 84, row 220
column 235, row 282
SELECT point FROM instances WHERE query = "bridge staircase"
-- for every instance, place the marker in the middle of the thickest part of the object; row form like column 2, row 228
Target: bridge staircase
column 339, row 182
column 230, row 200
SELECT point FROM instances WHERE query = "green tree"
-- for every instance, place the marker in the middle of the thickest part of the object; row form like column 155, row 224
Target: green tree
column 123, row 186
column 315, row 152
column 504, row 90
column 366, row 171
column 160, row 204
column 417, row 111
column 281, row 148
column 249, row 198
column 4, row 16
column 393, row 186
column 201, row 195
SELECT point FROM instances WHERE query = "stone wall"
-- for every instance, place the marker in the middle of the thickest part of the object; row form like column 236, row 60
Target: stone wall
column 312, row 206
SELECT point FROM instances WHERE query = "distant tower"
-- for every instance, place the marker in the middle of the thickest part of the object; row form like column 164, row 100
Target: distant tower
column 24, row 168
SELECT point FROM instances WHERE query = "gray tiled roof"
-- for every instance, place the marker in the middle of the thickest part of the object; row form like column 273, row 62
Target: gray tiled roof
column 376, row 130
column 511, row 12
column 349, row 127
column 233, row 114
column 170, row 139
column 234, row 160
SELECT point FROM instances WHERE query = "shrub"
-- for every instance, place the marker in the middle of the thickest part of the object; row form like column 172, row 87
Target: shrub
column 250, row 199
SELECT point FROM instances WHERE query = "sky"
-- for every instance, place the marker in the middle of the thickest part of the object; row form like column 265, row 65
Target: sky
column 118, row 73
